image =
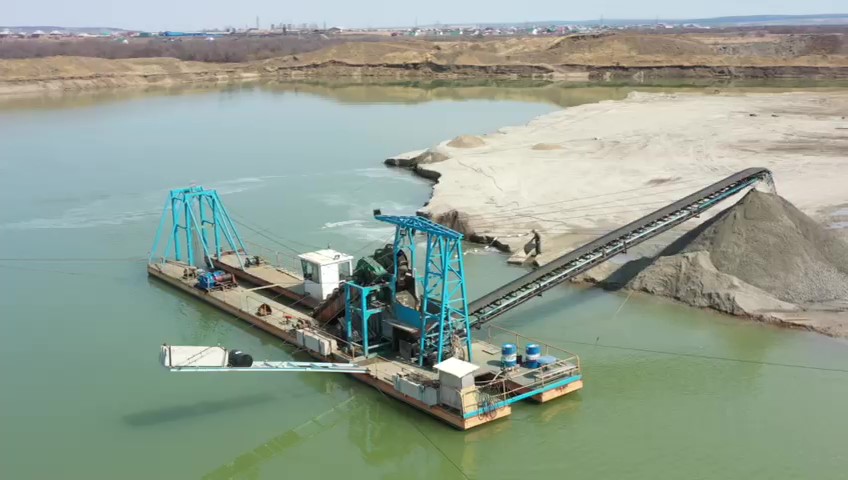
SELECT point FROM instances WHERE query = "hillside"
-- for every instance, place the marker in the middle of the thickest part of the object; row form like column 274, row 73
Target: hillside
column 620, row 56
column 618, row 50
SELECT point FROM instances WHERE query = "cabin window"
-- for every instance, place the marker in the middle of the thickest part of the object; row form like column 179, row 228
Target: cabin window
column 311, row 271
column 344, row 271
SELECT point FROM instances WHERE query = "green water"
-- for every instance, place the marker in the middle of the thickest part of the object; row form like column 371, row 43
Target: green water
column 671, row 392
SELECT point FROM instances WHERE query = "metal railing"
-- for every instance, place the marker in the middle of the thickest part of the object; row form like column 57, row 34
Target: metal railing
column 287, row 262
column 502, row 390
column 492, row 333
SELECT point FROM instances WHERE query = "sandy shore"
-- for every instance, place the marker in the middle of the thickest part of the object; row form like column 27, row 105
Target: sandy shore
column 593, row 167
column 580, row 172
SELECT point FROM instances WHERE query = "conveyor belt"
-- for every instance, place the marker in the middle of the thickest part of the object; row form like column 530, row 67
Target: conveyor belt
column 598, row 251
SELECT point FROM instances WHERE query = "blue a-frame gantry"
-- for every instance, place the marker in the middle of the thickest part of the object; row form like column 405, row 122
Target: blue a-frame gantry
column 193, row 211
column 443, row 311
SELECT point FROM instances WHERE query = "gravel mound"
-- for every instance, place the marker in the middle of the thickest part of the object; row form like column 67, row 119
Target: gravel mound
column 764, row 242
column 693, row 279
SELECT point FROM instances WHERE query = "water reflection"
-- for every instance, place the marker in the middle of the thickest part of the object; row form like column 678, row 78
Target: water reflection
column 247, row 465
column 564, row 94
column 147, row 418
column 392, row 438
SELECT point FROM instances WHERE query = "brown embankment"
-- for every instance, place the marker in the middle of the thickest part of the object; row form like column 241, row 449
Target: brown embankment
column 579, row 57
column 583, row 57
column 42, row 75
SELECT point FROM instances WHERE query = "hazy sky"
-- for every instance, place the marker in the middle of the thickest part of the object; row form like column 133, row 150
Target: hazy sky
column 195, row 14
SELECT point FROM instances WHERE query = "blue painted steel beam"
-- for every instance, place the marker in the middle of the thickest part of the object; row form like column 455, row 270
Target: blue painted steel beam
column 518, row 398
column 443, row 282
column 186, row 205
column 176, row 230
column 420, row 224
column 265, row 366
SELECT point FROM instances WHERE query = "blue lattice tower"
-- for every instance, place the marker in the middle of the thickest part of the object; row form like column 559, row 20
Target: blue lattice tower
column 193, row 211
column 443, row 311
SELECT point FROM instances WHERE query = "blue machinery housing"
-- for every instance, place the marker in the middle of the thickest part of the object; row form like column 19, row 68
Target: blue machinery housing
column 443, row 312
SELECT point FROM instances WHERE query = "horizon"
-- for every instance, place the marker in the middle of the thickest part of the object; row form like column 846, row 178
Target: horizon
column 504, row 22
column 161, row 15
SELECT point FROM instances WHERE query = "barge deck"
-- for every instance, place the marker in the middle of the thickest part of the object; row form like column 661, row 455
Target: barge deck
column 384, row 373
column 261, row 273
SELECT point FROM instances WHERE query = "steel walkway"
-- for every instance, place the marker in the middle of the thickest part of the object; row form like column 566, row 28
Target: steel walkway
column 192, row 358
column 266, row 366
column 602, row 249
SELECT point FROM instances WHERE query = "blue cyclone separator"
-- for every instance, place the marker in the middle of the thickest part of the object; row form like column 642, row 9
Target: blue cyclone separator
column 533, row 352
column 509, row 352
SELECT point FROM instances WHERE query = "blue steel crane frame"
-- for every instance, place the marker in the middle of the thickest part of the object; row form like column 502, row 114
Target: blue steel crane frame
column 445, row 297
column 193, row 209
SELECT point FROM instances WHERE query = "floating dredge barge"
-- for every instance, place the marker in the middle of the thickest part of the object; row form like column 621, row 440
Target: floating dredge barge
column 404, row 331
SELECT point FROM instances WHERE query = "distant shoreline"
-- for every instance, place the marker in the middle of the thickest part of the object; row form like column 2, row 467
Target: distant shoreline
column 148, row 74
column 579, row 58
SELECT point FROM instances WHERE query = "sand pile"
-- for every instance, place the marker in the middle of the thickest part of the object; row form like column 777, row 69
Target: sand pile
column 466, row 141
column 762, row 254
column 546, row 146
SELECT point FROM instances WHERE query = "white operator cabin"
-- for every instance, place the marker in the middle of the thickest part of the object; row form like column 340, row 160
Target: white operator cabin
column 323, row 270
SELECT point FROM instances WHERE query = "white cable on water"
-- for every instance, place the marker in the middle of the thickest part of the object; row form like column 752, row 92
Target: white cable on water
column 710, row 357
column 614, row 315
